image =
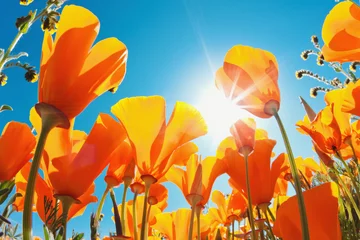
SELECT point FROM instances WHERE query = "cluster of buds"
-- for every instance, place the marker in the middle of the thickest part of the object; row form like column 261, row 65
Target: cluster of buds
column 25, row 2
column 3, row 79
column 30, row 75
column 314, row 91
column 353, row 66
column 320, row 60
column 49, row 21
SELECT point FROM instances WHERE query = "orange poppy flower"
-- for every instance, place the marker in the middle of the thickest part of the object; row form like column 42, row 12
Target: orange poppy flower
column 130, row 218
column 307, row 167
column 261, row 185
column 340, row 33
column 72, row 74
column 350, row 95
column 120, row 161
column 175, row 225
column 44, row 196
column 324, row 131
column 321, row 211
column 14, row 153
column 281, row 185
column 158, row 195
column 211, row 168
column 249, row 77
column 154, row 141
column 276, row 204
column 71, row 156
column 228, row 208
column 243, row 132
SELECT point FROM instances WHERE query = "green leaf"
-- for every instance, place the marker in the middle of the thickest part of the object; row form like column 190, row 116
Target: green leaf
column 352, row 76
column 78, row 236
column 4, row 191
column 6, row 185
column 25, row 27
column 337, row 69
column 47, row 234
column 5, row 107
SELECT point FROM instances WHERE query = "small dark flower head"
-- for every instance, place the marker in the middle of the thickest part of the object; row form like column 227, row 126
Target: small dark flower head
column 3, row 79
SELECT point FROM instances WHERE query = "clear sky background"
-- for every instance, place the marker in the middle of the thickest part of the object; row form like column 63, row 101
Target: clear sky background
column 175, row 47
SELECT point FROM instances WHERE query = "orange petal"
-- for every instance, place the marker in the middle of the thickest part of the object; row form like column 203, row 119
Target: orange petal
column 182, row 154
column 14, row 153
column 78, row 209
column 342, row 25
column 131, row 112
column 75, row 23
column 256, row 72
column 185, row 124
column 119, row 161
column 105, row 136
column 322, row 213
column 244, row 133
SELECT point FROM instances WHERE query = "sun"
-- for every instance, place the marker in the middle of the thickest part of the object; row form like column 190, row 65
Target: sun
column 219, row 112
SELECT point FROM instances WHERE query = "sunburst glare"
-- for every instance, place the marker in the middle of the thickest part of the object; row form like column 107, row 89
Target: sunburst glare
column 219, row 113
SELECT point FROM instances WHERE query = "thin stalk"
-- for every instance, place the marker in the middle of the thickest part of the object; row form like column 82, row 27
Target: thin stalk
column 306, row 181
column 30, row 187
column 348, row 193
column 148, row 213
column 51, row 118
column 227, row 233
column 144, row 221
column 294, row 173
column 123, row 203
column 66, row 203
column 198, row 212
column 250, row 208
column 354, row 153
column 134, row 216
column 351, row 218
column 117, row 219
column 348, row 170
column 18, row 36
column 271, row 214
column 101, row 204
column 233, row 230
column 192, row 216
column 271, row 234
column 262, row 237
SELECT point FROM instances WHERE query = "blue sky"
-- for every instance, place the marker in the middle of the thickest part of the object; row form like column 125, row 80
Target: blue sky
column 174, row 49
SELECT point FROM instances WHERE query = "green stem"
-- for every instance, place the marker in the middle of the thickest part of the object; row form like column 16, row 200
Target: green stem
column 268, row 223
column 348, row 170
column 348, row 193
column 144, row 222
column 134, row 216
column 354, row 153
column 248, row 190
column 198, row 213
column 101, row 204
column 191, row 227
column 294, row 172
column 19, row 34
column 30, row 187
column 50, row 118
column 117, row 219
column 271, row 214
column 262, row 237
column 351, row 218
column 233, row 230
column 123, row 203
column 66, row 203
